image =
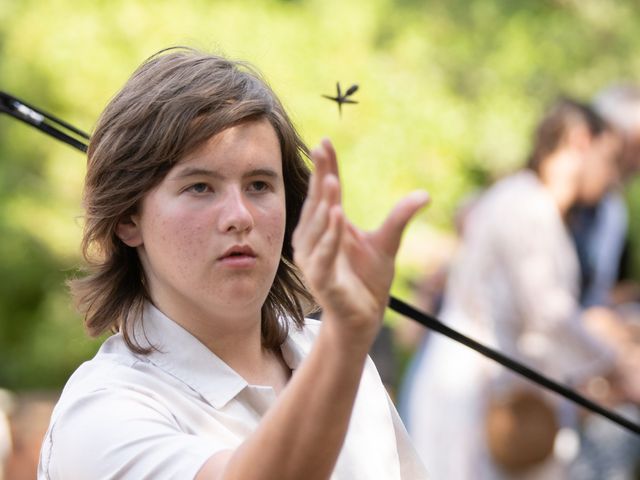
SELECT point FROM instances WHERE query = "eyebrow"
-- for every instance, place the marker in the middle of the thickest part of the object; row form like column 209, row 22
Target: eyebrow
column 205, row 172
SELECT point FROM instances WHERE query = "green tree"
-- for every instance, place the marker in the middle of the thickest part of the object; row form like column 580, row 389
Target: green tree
column 449, row 93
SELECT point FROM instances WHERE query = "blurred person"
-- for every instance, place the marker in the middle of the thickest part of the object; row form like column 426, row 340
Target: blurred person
column 514, row 285
column 428, row 294
column 201, row 218
column 600, row 232
column 600, row 229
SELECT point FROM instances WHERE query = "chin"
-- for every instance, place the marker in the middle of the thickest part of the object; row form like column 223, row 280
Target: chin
column 242, row 296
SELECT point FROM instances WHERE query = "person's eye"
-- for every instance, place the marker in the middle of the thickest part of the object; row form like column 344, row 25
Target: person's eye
column 259, row 186
column 199, row 188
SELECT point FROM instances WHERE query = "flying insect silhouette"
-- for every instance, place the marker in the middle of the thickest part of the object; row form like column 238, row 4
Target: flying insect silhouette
column 341, row 98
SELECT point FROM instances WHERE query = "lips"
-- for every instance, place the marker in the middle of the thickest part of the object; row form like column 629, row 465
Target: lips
column 238, row 252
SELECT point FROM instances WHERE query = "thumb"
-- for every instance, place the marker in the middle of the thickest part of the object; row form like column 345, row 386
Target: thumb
column 388, row 236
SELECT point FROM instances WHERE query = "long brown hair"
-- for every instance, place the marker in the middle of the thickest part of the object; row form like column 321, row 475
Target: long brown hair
column 173, row 102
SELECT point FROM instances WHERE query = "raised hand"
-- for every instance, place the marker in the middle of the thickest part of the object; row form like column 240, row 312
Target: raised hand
column 348, row 271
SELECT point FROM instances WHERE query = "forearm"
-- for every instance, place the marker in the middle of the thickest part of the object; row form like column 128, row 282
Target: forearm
column 302, row 435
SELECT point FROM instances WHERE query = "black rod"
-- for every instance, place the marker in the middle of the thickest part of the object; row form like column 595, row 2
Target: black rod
column 43, row 121
column 437, row 326
column 8, row 105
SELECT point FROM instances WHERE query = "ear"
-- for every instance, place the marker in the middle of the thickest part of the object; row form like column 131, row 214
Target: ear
column 128, row 230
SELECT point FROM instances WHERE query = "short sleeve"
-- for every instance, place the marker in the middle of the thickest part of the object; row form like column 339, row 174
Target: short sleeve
column 120, row 434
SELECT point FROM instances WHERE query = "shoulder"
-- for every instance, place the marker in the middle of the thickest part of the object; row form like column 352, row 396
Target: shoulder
column 115, row 407
column 514, row 205
column 521, row 191
column 113, row 367
column 299, row 341
column 310, row 328
column 304, row 336
column 111, row 386
column 522, row 199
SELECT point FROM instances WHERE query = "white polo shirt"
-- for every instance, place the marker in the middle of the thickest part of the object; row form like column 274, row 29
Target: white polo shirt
column 161, row 416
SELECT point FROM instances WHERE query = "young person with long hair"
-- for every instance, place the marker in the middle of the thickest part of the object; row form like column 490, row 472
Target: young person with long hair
column 207, row 238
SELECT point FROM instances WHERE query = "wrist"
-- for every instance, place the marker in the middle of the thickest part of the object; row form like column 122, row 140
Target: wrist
column 353, row 336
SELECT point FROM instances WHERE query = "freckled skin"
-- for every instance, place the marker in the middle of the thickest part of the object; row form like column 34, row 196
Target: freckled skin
column 191, row 219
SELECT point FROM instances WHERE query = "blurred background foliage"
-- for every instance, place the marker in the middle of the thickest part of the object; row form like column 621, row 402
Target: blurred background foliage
column 449, row 93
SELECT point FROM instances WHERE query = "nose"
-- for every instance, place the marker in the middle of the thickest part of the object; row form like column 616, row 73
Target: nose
column 235, row 214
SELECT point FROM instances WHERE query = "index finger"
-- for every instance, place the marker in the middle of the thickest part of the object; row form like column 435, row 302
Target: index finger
column 332, row 157
column 325, row 160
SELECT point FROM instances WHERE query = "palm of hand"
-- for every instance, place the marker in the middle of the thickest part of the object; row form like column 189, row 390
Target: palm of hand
column 357, row 287
column 348, row 271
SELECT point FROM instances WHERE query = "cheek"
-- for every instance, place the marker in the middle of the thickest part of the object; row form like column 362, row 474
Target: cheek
column 274, row 226
column 178, row 239
column 276, row 230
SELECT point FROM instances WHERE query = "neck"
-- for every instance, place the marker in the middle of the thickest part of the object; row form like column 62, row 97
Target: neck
column 561, row 196
column 237, row 341
column 244, row 353
column 557, row 174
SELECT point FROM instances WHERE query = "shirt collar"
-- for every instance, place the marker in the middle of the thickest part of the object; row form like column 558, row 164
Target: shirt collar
column 180, row 354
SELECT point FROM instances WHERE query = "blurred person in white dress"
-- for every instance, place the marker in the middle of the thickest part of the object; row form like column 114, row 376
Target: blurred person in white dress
column 514, row 285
